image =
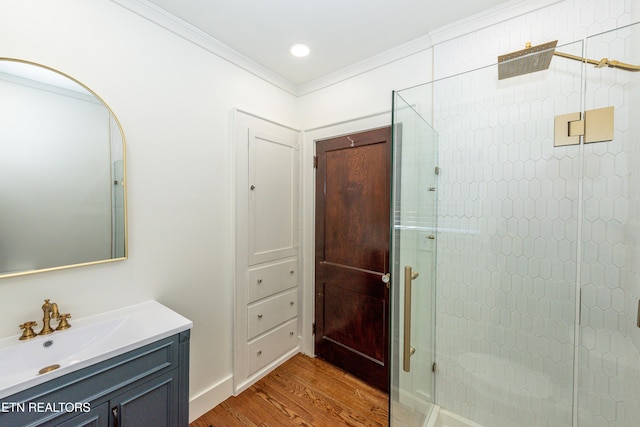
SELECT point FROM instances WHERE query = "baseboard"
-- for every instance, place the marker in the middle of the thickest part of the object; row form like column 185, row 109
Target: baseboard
column 266, row 370
column 221, row 391
column 210, row 398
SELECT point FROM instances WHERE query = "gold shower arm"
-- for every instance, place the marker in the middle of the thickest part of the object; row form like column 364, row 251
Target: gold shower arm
column 577, row 58
column 617, row 64
column 604, row 62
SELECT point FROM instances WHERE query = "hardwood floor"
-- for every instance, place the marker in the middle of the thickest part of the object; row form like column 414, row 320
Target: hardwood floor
column 304, row 391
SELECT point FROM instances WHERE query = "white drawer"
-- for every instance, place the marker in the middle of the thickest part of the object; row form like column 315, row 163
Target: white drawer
column 271, row 279
column 271, row 312
column 272, row 345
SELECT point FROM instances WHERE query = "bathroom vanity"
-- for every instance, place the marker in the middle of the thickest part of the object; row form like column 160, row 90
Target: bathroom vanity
column 132, row 371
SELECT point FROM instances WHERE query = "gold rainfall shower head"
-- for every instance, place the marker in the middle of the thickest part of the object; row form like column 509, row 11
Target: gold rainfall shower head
column 525, row 61
column 538, row 58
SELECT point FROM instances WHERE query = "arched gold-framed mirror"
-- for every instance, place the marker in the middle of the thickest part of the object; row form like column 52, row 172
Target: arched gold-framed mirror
column 62, row 173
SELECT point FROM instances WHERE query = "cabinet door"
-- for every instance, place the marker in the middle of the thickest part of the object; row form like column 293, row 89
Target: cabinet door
column 153, row 403
column 273, row 193
column 97, row 417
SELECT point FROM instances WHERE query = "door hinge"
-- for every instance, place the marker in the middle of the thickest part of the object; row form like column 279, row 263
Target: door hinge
column 436, row 170
column 313, row 328
column 315, row 162
column 434, row 367
column 594, row 126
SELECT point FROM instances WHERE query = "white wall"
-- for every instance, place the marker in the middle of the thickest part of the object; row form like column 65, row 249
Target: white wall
column 365, row 94
column 174, row 101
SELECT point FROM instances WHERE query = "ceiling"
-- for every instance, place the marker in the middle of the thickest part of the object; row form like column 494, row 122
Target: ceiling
column 340, row 33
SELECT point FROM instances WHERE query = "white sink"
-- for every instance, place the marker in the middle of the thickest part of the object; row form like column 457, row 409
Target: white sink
column 90, row 340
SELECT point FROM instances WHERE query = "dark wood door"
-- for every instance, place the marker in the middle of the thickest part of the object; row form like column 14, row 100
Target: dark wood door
column 352, row 253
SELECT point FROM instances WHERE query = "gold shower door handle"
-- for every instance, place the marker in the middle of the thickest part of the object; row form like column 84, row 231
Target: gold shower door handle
column 409, row 276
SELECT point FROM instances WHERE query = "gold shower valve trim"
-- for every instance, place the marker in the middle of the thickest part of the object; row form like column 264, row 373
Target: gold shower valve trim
column 595, row 126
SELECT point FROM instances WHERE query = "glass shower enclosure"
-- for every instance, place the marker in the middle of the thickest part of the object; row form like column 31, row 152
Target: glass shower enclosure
column 516, row 243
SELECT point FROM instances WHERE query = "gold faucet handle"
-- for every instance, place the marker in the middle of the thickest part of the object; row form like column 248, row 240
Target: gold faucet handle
column 63, row 323
column 27, row 332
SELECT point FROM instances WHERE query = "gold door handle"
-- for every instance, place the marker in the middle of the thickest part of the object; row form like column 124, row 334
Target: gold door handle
column 408, row 351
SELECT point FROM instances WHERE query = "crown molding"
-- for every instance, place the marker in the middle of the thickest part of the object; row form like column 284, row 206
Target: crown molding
column 172, row 23
column 457, row 29
column 487, row 18
column 397, row 53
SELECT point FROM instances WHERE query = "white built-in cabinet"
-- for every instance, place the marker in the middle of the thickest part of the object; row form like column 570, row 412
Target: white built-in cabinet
column 267, row 247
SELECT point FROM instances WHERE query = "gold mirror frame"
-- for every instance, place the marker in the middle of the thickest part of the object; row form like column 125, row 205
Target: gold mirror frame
column 117, row 194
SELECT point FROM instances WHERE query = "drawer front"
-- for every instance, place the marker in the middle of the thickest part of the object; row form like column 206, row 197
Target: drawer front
column 271, row 279
column 272, row 345
column 271, row 312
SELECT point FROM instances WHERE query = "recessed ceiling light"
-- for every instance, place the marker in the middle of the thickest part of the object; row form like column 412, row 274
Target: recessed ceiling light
column 300, row 50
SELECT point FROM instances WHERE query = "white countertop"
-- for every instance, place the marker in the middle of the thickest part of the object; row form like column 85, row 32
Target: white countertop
column 90, row 340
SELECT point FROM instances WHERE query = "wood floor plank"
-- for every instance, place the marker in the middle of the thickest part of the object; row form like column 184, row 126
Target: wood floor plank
column 303, row 392
column 331, row 396
column 320, row 404
column 362, row 398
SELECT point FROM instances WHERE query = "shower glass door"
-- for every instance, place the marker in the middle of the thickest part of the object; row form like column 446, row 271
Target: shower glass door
column 491, row 339
column 413, row 256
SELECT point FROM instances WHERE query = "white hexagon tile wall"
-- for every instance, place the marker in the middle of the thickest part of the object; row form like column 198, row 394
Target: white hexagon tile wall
column 523, row 226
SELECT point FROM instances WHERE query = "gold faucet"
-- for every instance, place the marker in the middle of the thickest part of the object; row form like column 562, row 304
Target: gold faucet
column 50, row 311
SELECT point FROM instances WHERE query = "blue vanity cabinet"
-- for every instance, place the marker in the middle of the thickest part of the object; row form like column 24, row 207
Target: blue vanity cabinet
column 148, row 386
